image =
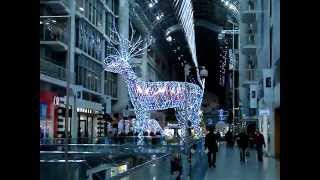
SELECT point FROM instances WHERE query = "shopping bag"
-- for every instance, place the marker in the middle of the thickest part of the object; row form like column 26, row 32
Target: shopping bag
column 206, row 150
column 247, row 153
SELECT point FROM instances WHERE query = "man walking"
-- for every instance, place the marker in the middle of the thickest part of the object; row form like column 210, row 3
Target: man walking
column 259, row 140
column 212, row 146
column 243, row 145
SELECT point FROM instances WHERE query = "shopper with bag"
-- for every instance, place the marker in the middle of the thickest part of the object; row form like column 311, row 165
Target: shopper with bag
column 211, row 147
column 243, row 144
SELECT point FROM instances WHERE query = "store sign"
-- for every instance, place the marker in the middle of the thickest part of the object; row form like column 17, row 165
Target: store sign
column 267, row 85
column 264, row 112
column 56, row 100
column 253, row 96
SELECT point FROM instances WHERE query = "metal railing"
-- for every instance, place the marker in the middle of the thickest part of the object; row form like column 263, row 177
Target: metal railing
column 252, row 74
column 50, row 69
column 115, row 140
column 160, row 167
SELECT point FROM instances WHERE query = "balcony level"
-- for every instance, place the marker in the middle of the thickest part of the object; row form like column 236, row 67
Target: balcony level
column 248, row 16
column 249, row 49
column 251, row 76
column 53, row 33
column 48, row 68
column 57, row 7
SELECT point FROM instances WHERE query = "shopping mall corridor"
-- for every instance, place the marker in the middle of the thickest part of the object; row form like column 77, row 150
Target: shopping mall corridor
column 228, row 167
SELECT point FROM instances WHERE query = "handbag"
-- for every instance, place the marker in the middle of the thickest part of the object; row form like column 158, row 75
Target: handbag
column 206, row 150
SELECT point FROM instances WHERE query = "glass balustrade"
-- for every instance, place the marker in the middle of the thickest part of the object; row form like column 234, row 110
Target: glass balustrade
column 51, row 69
column 122, row 161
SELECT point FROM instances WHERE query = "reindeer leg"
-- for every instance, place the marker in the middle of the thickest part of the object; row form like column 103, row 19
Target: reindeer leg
column 196, row 123
column 196, row 118
column 142, row 116
column 180, row 115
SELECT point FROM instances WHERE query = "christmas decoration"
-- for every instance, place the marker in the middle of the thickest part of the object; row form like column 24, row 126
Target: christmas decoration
column 146, row 96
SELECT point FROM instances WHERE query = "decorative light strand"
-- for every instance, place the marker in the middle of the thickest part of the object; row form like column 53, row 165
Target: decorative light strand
column 184, row 11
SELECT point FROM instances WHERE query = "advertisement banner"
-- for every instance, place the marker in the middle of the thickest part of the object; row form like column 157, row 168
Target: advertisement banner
column 231, row 60
column 43, row 111
column 253, row 96
column 268, row 84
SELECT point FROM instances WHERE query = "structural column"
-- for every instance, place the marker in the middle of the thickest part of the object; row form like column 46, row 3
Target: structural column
column 73, row 94
column 124, row 31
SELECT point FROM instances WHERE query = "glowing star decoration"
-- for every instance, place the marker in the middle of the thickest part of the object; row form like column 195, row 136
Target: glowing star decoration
column 146, row 96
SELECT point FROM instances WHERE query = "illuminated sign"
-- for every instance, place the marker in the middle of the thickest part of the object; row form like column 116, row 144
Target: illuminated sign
column 265, row 112
column 56, row 100
column 122, row 168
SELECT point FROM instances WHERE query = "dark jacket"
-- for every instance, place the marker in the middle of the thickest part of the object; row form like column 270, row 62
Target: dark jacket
column 228, row 137
column 176, row 165
column 243, row 140
column 211, row 142
column 259, row 140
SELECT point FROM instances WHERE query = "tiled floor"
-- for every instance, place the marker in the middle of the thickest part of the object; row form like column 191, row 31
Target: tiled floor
column 229, row 167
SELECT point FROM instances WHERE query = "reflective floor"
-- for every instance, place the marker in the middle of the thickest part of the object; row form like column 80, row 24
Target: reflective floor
column 229, row 167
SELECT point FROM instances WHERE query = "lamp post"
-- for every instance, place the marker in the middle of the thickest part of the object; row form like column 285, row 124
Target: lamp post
column 203, row 72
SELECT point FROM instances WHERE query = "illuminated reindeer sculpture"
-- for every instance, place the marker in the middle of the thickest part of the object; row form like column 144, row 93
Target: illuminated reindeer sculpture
column 146, row 96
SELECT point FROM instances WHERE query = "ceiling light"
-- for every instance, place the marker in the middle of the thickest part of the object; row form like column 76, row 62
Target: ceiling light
column 227, row 3
column 150, row 5
column 81, row 8
column 169, row 38
column 158, row 18
column 41, row 22
column 54, row 21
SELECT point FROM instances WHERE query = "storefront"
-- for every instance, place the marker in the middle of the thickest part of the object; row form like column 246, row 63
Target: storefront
column 47, row 113
column 91, row 124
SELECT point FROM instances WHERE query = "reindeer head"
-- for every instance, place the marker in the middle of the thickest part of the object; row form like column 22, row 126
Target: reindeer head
column 123, row 50
column 116, row 64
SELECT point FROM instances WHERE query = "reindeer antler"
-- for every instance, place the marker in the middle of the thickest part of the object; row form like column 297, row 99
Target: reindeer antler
column 126, row 48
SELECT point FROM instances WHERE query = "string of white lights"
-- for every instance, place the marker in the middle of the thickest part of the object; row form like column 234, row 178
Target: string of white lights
column 184, row 11
column 150, row 125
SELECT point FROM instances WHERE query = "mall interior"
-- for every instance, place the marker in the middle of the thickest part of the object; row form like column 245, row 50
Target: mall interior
column 130, row 89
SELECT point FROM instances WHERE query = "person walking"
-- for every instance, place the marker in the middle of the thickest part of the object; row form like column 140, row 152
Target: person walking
column 243, row 145
column 229, row 139
column 212, row 147
column 41, row 135
column 259, row 141
column 218, row 137
column 176, row 167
